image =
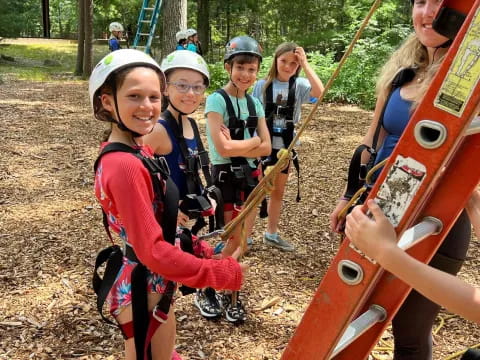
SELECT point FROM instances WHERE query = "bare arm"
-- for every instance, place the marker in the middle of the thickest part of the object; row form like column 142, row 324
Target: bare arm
column 159, row 140
column 335, row 224
column 473, row 211
column 227, row 147
column 265, row 147
column 376, row 238
column 315, row 82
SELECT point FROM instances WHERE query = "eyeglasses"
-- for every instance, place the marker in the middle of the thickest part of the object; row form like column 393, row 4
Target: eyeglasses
column 184, row 88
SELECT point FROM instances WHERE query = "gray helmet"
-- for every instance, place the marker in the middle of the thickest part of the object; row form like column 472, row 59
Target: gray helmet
column 242, row 45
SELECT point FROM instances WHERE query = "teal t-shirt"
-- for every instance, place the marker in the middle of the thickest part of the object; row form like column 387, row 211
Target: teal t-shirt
column 216, row 103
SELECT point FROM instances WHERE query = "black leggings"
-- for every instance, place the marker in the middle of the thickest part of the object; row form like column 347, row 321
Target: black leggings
column 412, row 325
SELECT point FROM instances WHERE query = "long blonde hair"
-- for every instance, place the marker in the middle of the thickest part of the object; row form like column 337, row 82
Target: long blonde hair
column 273, row 72
column 412, row 53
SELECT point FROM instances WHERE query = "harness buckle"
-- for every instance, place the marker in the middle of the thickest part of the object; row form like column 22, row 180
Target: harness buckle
column 221, row 174
column 238, row 171
column 159, row 315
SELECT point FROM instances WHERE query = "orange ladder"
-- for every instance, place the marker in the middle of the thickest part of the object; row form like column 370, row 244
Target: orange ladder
column 426, row 181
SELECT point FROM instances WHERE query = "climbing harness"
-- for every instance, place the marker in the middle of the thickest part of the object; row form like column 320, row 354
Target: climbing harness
column 239, row 173
column 144, row 323
column 280, row 123
column 196, row 205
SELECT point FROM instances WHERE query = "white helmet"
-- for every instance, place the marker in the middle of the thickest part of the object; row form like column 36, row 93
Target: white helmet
column 115, row 26
column 181, row 35
column 181, row 59
column 190, row 32
column 115, row 61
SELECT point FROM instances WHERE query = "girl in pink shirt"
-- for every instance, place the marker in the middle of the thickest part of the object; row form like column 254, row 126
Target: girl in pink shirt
column 126, row 89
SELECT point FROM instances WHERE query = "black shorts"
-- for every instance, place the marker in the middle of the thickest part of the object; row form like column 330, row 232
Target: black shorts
column 224, row 179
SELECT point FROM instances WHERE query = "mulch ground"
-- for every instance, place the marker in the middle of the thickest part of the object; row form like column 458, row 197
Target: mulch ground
column 51, row 230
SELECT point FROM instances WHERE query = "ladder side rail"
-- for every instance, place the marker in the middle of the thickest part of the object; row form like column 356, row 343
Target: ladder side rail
column 153, row 24
column 446, row 203
column 141, row 17
column 332, row 294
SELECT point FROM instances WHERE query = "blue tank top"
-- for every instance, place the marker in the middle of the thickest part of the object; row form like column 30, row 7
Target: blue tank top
column 175, row 159
column 395, row 120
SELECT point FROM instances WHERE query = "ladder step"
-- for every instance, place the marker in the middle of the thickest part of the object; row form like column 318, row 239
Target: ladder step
column 149, row 9
column 145, row 21
column 474, row 127
column 364, row 322
column 414, row 235
column 145, row 34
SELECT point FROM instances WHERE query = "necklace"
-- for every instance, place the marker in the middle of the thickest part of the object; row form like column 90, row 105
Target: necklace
column 420, row 76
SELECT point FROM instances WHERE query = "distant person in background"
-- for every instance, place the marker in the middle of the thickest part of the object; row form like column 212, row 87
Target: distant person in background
column 193, row 44
column 116, row 30
column 181, row 37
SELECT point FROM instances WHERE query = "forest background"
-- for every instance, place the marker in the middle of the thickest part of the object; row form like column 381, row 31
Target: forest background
column 323, row 27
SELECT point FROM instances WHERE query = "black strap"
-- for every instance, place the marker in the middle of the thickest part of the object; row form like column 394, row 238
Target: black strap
column 112, row 256
column 194, row 181
column 271, row 108
column 158, row 169
column 358, row 171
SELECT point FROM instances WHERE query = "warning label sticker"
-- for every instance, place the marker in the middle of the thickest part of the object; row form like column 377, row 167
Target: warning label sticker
column 400, row 187
column 464, row 72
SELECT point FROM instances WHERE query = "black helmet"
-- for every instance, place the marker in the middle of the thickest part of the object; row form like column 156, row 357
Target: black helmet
column 242, row 45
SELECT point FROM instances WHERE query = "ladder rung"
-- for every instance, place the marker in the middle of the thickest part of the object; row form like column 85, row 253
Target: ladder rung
column 474, row 127
column 374, row 315
column 428, row 226
column 149, row 9
column 145, row 34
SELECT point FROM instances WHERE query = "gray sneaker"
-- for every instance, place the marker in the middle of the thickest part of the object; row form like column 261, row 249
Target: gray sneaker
column 276, row 241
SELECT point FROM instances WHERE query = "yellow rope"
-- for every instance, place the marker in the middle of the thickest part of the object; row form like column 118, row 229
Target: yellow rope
column 368, row 181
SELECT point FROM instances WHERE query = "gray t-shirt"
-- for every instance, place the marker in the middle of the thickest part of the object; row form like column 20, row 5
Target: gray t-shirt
column 302, row 96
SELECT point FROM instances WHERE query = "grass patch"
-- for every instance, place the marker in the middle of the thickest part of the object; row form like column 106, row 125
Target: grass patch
column 29, row 60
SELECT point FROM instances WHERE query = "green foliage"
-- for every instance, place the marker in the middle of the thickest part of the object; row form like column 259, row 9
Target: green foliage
column 355, row 83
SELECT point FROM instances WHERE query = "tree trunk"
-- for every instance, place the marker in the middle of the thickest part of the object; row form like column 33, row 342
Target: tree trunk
column 81, row 38
column 46, row 18
column 203, row 24
column 88, row 48
column 174, row 19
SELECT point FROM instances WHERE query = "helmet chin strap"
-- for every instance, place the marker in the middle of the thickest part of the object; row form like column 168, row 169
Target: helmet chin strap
column 237, row 90
column 180, row 114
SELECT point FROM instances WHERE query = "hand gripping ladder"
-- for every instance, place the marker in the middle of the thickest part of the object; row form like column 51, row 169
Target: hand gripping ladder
column 147, row 21
column 426, row 181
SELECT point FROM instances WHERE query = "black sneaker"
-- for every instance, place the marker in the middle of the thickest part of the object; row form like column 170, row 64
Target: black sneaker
column 234, row 313
column 207, row 301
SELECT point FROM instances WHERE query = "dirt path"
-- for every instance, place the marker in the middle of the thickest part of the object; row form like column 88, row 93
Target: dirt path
column 50, row 231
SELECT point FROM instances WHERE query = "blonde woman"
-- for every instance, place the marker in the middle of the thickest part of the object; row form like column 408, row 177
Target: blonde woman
column 422, row 53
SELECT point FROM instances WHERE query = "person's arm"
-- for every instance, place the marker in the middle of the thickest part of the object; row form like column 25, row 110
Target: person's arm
column 376, row 237
column 335, row 224
column 227, row 147
column 159, row 140
column 127, row 183
column 265, row 147
column 316, row 84
column 473, row 211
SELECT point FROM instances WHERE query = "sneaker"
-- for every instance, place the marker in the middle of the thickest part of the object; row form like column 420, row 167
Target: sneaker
column 249, row 243
column 207, row 301
column 234, row 313
column 276, row 241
